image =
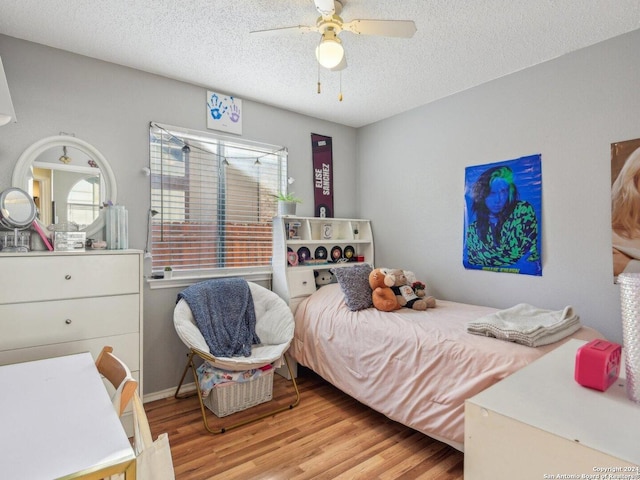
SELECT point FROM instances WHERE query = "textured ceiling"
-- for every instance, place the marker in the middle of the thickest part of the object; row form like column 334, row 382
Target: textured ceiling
column 458, row 44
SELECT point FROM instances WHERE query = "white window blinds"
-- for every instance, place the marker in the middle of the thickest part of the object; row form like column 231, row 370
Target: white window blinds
column 212, row 199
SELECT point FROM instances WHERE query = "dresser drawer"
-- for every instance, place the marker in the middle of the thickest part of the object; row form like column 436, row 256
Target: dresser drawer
column 44, row 323
column 301, row 282
column 32, row 279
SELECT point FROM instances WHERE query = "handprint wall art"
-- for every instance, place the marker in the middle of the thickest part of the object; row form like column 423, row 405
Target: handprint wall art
column 224, row 113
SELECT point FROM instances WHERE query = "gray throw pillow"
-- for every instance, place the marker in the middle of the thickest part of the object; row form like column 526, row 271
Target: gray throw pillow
column 354, row 282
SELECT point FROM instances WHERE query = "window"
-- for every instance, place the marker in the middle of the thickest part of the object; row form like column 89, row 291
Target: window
column 83, row 202
column 212, row 200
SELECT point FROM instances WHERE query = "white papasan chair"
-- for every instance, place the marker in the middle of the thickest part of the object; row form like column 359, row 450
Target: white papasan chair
column 274, row 327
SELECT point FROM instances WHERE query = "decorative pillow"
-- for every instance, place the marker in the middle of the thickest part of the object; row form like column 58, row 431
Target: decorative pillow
column 354, row 282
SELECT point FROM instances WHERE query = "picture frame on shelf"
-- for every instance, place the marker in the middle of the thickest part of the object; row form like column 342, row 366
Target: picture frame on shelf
column 293, row 230
column 327, row 231
column 292, row 258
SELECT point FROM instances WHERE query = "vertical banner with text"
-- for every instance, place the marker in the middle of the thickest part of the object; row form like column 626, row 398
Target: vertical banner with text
column 321, row 149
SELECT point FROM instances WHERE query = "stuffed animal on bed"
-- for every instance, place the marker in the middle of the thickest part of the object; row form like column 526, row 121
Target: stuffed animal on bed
column 419, row 288
column 324, row 277
column 383, row 297
column 405, row 293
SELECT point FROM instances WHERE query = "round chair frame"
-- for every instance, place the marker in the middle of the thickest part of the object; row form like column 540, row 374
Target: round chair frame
column 264, row 355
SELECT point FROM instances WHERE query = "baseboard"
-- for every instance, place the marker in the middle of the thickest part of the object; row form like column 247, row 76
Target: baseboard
column 283, row 371
column 169, row 392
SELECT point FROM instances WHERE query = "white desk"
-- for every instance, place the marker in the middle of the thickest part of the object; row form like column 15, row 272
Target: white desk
column 540, row 423
column 57, row 421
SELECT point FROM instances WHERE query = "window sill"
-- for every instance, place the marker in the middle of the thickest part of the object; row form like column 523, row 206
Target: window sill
column 185, row 279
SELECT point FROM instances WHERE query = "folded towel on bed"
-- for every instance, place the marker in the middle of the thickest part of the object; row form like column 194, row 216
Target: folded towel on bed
column 225, row 315
column 527, row 325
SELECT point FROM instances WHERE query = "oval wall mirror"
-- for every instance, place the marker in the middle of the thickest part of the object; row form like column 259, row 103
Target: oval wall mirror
column 69, row 179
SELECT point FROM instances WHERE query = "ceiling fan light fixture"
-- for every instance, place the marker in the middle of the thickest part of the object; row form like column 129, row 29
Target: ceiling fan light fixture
column 65, row 158
column 330, row 52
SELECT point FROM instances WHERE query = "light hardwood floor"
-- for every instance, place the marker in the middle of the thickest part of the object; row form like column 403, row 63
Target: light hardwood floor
column 328, row 436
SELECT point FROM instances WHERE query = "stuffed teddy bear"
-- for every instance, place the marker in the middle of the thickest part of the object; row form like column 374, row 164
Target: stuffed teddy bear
column 405, row 293
column 419, row 288
column 324, row 277
column 383, row 297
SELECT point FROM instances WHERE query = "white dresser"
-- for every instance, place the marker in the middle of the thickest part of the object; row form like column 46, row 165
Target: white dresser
column 540, row 423
column 57, row 303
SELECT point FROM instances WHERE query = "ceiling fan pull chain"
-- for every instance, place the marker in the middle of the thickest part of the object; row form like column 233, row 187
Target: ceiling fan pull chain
column 340, row 94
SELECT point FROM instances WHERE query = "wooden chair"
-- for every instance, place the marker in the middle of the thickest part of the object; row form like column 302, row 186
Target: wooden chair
column 118, row 374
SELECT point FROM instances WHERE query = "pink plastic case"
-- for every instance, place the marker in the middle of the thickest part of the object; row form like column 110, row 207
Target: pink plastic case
column 598, row 364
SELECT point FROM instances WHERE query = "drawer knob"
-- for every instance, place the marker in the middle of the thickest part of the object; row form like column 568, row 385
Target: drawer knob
column 68, row 321
column 304, row 282
column 67, row 277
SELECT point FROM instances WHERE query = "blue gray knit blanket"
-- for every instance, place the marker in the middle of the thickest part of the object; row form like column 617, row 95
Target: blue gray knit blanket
column 225, row 315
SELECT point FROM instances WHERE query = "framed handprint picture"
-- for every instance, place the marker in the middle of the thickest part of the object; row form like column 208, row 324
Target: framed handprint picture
column 224, row 113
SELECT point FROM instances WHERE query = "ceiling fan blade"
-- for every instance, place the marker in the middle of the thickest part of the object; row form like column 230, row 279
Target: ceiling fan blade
column 284, row 30
column 386, row 28
column 326, row 8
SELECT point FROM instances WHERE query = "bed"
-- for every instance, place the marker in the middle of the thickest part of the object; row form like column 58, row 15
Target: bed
column 417, row 368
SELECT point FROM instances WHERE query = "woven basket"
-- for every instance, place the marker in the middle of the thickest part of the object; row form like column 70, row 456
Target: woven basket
column 228, row 398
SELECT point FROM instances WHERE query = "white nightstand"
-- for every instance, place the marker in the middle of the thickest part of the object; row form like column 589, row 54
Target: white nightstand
column 540, row 423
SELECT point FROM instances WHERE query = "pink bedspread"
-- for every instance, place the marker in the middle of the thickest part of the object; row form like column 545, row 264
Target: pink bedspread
column 416, row 368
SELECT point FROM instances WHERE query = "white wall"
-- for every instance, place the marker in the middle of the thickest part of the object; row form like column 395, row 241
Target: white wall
column 570, row 110
column 110, row 107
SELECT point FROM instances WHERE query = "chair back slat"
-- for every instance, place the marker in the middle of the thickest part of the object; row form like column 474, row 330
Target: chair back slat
column 119, row 375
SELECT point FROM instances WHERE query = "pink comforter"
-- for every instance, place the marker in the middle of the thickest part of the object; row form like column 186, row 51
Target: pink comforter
column 416, row 368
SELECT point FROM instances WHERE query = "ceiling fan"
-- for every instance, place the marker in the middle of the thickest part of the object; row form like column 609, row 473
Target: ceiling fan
column 329, row 52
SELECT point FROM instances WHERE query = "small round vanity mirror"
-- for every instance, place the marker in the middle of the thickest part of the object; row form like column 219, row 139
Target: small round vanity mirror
column 69, row 180
column 17, row 209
